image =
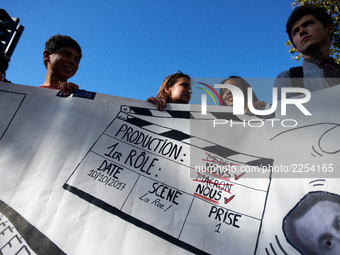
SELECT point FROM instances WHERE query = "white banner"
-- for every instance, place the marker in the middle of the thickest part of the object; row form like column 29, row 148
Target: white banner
column 98, row 174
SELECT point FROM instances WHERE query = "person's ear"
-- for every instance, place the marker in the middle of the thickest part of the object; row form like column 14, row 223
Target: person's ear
column 46, row 56
column 330, row 29
column 167, row 90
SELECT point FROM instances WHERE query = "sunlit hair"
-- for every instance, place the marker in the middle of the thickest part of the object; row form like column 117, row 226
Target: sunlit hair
column 242, row 84
column 57, row 42
column 319, row 13
column 168, row 83
column 299, row 210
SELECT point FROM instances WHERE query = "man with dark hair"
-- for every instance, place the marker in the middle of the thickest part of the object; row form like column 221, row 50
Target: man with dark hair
column 313, row 225
column 310, row 29
column 61, row 57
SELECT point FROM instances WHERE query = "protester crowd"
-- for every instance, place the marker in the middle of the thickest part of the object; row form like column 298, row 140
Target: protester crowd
column 310, row 29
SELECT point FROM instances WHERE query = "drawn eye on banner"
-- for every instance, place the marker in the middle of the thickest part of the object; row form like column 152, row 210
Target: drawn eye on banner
column 151, row 175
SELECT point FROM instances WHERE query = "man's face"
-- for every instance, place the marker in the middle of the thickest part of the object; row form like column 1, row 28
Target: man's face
column 309, row 35
column 319, row 229
column 64, row 63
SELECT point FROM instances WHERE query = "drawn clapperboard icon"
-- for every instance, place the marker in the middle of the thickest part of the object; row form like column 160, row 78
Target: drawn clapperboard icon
column 143, row 168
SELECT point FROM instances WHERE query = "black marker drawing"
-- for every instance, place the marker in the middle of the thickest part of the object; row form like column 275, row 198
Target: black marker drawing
column 130, row 172
column 312, row 225
column 324, row 143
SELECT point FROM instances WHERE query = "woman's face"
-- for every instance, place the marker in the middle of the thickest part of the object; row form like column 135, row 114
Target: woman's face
column 227, row 97
column 180, row 91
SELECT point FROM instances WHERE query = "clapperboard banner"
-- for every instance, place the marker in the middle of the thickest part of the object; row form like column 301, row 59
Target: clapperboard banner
column 131, row 171
column 99, row 174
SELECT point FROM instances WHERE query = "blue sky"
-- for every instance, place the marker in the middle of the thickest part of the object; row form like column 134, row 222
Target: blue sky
column 129, row 47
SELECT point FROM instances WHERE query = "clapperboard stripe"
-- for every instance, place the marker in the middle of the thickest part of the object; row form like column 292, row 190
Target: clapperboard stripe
column 261, row 162
column 169, row 133
column 219, row 150
column 191, row 140
column 176, row 134
column 138, row 122
column 238, row 157
column 190, row 114
column 179, row 114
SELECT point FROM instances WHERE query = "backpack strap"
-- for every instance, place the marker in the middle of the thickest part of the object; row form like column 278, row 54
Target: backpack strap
column 296, row 72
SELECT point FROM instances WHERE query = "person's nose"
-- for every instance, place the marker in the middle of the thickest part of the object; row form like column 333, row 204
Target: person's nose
column 303, row 31
column 73, row 62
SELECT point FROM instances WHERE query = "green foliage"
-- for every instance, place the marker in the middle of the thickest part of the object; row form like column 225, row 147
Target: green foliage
column 333, row 7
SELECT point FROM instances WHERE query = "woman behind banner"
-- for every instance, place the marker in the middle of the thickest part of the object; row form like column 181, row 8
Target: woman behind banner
column 227, row 96
column 175, row 88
